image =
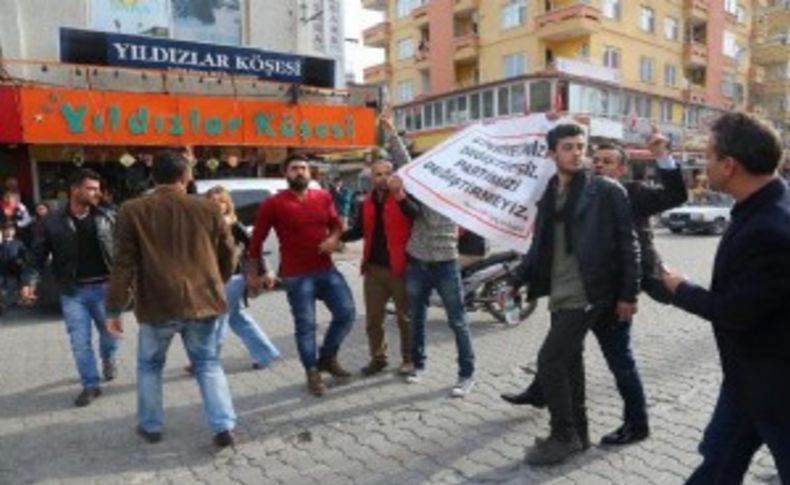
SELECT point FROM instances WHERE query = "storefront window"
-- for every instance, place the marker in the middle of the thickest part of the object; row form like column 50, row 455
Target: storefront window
column 488, row 104
column 517, row 99
column 475, row 105
column 503, row 101
column 540, row 96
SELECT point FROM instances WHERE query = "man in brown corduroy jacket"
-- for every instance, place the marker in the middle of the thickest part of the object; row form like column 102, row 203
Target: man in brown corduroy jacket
column 175, row 252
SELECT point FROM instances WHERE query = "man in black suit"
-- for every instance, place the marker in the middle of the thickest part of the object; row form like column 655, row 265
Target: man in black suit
column 748, row 303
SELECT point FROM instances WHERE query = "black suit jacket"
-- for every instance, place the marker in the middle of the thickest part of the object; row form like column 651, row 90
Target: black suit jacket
column 749, row 303
column 647, row 201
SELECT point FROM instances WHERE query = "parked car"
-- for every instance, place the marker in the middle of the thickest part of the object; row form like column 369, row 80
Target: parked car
column 247, row 195
column 710, row 215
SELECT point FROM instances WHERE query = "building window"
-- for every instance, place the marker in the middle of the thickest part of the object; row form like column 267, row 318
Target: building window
column 515, row 64
column 740, row 12
column 517, row 99
column 540, row 96
column 612, row 9
column 647, row 19
column 405, row 49
column 646, row 69
column 406, row 91
column 404, row 7
column 671, row 30
column 730, row 44
column 474, row 103
column 731, row 6
column 644, row 107
column 666, row 111
column 503, row 101
column 611, row 57
column 488, row 104
column 513, row 14
column 670, row 76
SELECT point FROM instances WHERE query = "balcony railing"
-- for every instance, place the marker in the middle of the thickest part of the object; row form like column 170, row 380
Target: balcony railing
column 377, row 35
column 568, row 22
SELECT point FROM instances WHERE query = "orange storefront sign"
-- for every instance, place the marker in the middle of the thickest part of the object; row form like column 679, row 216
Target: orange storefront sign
column 66, row 116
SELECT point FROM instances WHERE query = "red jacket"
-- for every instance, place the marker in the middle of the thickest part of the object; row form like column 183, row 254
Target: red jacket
column 397, row 229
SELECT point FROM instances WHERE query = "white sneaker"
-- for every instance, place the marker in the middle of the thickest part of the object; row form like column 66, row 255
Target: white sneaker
column 415, row 376
column 463, row 387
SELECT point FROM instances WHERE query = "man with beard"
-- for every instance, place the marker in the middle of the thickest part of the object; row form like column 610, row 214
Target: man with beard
column 385, row 225
column 80, row 239
column 309, row 229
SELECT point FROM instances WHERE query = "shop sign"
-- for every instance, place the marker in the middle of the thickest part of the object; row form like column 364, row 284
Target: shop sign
column 114, row 118
column 80, row 46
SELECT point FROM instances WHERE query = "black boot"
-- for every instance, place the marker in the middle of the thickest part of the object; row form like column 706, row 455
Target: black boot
column 531, row 395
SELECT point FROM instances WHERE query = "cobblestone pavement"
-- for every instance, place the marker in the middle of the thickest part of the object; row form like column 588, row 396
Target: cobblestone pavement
column 375, row 430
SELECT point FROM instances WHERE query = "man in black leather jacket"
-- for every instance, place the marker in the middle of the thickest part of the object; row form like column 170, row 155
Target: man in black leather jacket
column 79, row 237
column 585, row 258
column 614, row 337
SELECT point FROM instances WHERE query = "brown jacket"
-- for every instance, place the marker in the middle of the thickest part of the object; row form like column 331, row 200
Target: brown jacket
column 175, row 252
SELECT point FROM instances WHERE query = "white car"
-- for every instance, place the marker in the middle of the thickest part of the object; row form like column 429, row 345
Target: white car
column 247, row 195
column 709, row 217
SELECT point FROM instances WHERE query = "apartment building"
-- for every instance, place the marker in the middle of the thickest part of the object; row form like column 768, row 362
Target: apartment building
column 771, row 57
column 622, row 66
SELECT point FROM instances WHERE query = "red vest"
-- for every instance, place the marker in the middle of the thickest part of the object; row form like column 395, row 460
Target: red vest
column 397, row 229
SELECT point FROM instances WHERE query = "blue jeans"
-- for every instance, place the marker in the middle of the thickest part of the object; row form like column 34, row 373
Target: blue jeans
column 445, row 277
column 615, row 340
column 331, row 288
column 199, row 337
column 731, row 439
column 81, row 308
column 243, row 325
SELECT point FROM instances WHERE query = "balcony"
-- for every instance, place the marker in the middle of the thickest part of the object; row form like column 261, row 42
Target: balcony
column 695, row 95
column 379, row 5
column 776, row 16
column 377, row 36
column 696, row 10
column 420, row 15
column 467, row 47
column 776, row 86
column 460, row 6
column 772, row 52
column 378, row 74
column 695, row 55
column 568, row 22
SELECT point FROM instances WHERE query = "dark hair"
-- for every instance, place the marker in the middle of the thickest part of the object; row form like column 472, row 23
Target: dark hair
column 81, row 175
column 295, row 157
column 169, row 167
column 753, row 143
column 615, row 147
column 559, row 132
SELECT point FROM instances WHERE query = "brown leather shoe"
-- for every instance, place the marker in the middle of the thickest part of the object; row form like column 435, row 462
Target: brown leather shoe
column 332, row 367
column 314, row 382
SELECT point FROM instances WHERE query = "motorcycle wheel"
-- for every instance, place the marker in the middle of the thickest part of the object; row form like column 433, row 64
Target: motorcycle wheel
column 492, row 290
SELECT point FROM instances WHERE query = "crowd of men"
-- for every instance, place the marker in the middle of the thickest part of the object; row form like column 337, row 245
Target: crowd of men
column 174, row 256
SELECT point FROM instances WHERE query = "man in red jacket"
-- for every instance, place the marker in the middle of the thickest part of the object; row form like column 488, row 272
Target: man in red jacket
column 385, row 225
column 309, row 230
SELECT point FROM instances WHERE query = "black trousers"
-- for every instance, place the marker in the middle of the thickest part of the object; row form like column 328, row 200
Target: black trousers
column 561, row 369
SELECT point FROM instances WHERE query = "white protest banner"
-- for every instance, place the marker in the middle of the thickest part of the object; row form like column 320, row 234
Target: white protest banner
column 488, row 178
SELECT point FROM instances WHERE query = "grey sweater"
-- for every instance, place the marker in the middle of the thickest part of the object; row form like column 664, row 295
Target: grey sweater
column 434, row 237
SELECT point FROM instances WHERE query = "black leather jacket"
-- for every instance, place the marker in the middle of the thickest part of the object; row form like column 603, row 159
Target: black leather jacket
column 604, row 242
column 58, row 236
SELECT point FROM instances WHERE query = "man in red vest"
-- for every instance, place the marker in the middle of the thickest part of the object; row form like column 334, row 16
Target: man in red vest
column 385, row 225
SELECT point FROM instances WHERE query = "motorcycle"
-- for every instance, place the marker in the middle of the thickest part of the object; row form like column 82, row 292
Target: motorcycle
column 485, row 284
